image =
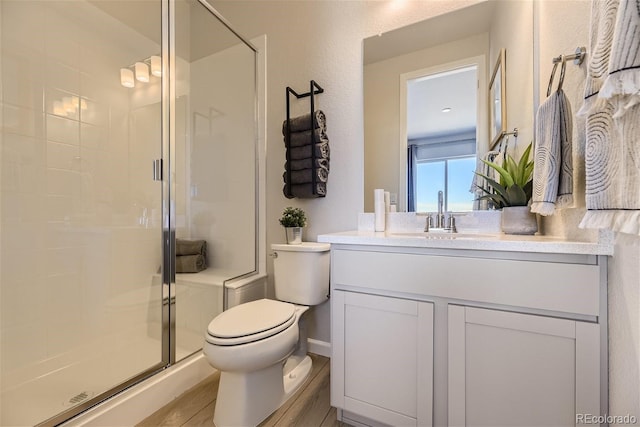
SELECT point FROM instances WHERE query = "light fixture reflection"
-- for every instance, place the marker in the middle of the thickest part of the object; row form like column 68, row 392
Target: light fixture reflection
column 446, row 110
column 142, row 72
column 156, row 66
column 126, row 78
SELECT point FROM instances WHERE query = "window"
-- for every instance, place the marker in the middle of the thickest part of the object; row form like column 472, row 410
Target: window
column 452, row 176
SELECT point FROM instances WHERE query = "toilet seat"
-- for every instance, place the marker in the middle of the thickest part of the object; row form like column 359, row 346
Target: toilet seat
column 250, row 322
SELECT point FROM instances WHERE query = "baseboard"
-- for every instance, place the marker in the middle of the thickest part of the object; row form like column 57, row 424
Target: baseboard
column 322, row 348
column 138, row 402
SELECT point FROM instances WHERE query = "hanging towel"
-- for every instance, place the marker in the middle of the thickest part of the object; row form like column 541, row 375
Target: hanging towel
column 297, row 165
column 603, row 18
column 191, row 247
column 299, row 139
column 623, row 79
column 306, row 175
column 305, row 191
column 612, row 152
column 190, row 263
column 302, row 123
column 321, row 151
column 553, row 156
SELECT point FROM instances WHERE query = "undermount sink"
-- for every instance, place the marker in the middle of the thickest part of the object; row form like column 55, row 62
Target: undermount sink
column 442, row 235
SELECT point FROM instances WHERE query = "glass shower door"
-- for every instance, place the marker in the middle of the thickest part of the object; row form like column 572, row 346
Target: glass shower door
column 81, row 213
column 215, row 163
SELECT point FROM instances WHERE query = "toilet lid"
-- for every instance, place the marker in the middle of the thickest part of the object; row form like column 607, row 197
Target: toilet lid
column 251, row 321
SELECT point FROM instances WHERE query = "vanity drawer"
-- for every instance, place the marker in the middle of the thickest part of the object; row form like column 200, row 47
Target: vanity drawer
column 541, row 285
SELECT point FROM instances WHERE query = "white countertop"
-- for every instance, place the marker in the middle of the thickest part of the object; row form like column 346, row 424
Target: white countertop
column 488, row 241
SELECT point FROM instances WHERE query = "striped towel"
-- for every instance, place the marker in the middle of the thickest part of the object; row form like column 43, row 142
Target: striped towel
column 553, row 156
column 623, row 79
column 612, row 111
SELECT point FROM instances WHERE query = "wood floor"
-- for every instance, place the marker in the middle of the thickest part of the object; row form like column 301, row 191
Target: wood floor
column 309, row 407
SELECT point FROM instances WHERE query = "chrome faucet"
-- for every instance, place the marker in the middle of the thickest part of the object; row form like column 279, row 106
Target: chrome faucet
column 440, row 223
column 440, row 216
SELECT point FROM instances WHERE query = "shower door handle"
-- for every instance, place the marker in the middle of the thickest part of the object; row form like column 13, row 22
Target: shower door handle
column 157, row 170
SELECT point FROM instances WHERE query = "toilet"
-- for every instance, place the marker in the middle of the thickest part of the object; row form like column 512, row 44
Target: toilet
column 260, row 347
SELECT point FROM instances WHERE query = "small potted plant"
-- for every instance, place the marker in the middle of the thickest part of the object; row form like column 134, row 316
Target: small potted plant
column 293, row 219
column 513, row 193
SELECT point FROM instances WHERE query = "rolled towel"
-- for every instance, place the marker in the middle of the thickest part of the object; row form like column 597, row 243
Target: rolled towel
column 191, row 247
column 297, row 165
column 190, row 263
column 321, row 151
column 305, row 191
column 306, row 175
column 304, row 138
column 301, row 123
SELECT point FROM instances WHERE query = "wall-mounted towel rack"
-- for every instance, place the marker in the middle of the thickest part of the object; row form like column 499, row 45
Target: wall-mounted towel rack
column 577, row 58
column 314, row 89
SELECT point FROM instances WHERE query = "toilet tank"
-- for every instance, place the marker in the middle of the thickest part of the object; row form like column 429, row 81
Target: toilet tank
column 301, row 272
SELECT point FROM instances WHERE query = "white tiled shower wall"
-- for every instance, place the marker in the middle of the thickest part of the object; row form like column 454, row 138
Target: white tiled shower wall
column 75, row 178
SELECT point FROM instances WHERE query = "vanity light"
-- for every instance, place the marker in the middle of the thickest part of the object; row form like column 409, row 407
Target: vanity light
column 446, row 110
column 58, row 108
column 142, row 72
column 70, row 104
column 126, row 78
column 156, row 66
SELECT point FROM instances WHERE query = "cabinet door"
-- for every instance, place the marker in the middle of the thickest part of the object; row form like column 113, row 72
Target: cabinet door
column 517, row 369
column 382, row 361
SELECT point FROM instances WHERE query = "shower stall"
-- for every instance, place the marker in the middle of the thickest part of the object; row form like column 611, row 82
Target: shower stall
column 124, row 127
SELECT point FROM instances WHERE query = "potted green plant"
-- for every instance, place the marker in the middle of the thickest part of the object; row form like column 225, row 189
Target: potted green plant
column 293, row 219
column 513, row 193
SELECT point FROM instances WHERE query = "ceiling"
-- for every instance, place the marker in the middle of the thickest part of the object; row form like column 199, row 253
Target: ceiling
column 427, row 96
column 456, row 25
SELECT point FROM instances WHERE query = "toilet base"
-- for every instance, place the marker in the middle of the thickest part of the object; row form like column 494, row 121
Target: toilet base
column 247, row 399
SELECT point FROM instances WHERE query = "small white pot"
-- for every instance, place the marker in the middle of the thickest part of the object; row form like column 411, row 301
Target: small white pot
column 294, row 235
column 519, row 220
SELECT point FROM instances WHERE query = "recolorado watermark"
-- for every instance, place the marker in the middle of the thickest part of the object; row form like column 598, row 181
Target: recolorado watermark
column 606, row 419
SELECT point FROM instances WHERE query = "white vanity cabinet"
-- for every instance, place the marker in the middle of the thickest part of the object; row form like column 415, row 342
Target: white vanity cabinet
column 436, row 336
column 372, row 333
column 515, row 369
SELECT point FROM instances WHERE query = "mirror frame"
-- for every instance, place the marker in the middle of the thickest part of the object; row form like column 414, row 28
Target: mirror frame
column 499, row 76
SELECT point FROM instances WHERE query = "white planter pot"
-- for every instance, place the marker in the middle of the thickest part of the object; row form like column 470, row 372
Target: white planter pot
column 294, row 235
column 519, row 220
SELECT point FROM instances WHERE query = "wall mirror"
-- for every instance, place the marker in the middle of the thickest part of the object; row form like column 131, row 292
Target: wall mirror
column 497, row 99
column 453, row 40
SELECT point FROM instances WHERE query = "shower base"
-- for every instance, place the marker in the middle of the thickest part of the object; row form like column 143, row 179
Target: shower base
column 76, row 377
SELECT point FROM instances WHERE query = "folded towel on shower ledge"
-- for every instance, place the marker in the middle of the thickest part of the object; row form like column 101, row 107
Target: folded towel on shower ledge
column 190, row 263
column 191, row 247
column 302, row 123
